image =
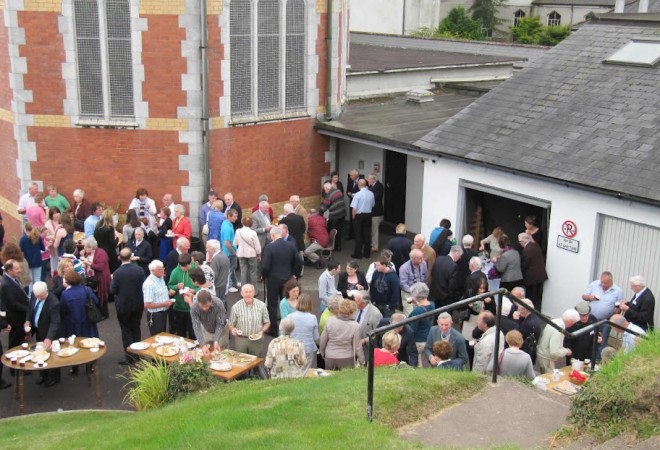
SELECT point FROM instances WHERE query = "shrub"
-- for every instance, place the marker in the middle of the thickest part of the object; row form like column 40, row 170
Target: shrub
column 147, row 385
column 552, row 36
column 459, row 25
column 531, row 31
column 187, row 378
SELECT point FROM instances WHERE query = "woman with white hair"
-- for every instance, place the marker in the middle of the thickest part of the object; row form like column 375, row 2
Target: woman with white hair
column 286, row 355
column 181, row 226
column 97, row 267
column 81, row 208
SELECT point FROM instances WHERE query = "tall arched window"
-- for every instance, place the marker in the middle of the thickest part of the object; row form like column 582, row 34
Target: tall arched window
column 517, row 16
column 554, row 19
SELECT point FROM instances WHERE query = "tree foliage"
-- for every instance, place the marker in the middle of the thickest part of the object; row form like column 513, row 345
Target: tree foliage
column 531, row 31
column 552, row 36
column 459, row 25
column 485, row 12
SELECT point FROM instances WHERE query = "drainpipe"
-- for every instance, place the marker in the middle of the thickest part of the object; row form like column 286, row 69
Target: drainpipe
column 619, row 5
column 205, row 97
column 328, row 44
column 403, row 23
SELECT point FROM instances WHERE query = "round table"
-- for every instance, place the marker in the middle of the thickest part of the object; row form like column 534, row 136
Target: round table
column 84, row 356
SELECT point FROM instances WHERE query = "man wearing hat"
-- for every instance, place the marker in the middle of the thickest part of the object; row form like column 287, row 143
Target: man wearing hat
column 582, row 345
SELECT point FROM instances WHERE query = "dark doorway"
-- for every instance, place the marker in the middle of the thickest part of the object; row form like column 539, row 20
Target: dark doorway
column 395, row 187
column 484, row 211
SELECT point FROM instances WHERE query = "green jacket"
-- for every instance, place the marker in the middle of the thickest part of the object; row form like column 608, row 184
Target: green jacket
column 179, row 276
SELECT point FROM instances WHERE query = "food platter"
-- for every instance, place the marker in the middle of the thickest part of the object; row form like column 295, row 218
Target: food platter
column 164, row 340
column 139, row 346
column 40, row 355
column 18, row 354
column 235, row 358
column 220, row 366
column 68, row 351
column 167, row 351
column 89, row 342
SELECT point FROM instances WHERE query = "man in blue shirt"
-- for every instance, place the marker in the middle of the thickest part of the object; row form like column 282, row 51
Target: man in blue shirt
column 603, row 295
column 361, row 207
column 90, row 222
column 227, row 238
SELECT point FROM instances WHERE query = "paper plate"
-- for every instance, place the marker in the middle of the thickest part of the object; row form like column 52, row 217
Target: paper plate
column 139, row 346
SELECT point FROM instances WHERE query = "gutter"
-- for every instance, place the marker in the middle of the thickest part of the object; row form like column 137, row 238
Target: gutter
column 328, row 75
column 205, row 98
column 328, row 129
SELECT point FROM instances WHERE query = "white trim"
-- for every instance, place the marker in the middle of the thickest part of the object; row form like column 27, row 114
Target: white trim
column 504, row 193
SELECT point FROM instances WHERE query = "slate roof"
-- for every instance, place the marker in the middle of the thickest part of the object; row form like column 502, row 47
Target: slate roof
column 568, row 117
column 633, row 7
column 592, row 3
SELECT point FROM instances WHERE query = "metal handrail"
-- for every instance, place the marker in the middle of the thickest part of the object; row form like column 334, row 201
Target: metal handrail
column 372, row 334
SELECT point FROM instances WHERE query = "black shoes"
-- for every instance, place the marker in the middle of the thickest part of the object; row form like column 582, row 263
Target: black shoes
column 4, row 384
column 51, row 382
column 41, row 380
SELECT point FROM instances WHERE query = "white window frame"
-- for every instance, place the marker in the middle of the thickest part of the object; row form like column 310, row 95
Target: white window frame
column 107, row 118
column 554, row 19
column 282, row 113
column 517, row 17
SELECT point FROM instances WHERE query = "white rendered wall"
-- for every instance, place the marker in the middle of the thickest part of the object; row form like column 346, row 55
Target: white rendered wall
column 414, row 193
column 377, row 16
column 569, row 273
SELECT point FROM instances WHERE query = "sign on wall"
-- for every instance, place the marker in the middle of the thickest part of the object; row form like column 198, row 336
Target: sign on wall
column 566, row 242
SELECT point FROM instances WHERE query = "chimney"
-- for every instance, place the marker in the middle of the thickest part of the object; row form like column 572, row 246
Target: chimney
column 619, row 5
column 643, row 6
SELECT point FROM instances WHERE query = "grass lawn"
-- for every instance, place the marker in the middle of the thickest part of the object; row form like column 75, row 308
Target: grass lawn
column 307, row 413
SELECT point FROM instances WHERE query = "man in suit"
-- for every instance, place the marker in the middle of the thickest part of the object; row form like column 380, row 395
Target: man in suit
column 126, row 286
column 231, row 204
column 14, row 300
column 400, row 246
column 296, row 225
column 141, row 250
column 368, row 317
column 444, row 332
column 464, row 261
column 43, row 316
column 4, row 326
column 533, row 268
column 444, row 285
column 220, row 265
column 262, row 223
column 376, row 187
column 281, row 262
column 639, row 310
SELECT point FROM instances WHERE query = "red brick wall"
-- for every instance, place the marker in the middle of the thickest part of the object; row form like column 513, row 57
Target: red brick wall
column 109, row 165
column 9, row 182
column 5, row 67
column 278, row 159
column 215, row 54
column 44, row 52
column 163, row 66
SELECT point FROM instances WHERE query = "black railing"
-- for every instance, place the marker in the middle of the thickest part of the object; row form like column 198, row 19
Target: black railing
column 464, row 303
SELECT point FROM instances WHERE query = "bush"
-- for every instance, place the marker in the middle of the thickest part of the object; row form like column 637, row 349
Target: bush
column 147, row 385
column 531, row 31
column 552, row 36
column 624, row 395
column 459, row 25
column 187, row 378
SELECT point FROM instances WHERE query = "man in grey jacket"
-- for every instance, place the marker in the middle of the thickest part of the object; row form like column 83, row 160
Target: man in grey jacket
column 220, row 265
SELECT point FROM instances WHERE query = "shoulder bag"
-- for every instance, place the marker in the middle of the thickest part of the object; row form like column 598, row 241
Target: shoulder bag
column 92, row 311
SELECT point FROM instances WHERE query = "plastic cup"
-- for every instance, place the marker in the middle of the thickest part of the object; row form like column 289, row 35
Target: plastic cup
column 25, row 345
column 14, row 361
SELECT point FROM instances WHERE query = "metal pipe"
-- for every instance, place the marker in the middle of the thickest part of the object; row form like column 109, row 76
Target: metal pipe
column 370, row 378
column 205, row 97
column 594, row 348
column 498, row 324
column 328, row 78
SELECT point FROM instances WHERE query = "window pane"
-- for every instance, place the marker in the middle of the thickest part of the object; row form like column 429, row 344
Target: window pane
column 268, row 56
column 295, row 55
column 240, row 43
column 120, row 67
column 88, row 44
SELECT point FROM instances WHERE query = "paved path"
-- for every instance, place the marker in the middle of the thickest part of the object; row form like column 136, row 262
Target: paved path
column 508, row 413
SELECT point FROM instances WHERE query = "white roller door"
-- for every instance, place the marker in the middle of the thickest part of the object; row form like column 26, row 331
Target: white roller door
column 628, row 248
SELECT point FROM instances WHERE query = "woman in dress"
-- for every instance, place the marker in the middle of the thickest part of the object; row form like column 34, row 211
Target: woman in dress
column 181, row 226
column 508, row 264
column 106, row 238
column 82, row 209
column 493, row 241
column 72, row 307
column 32, row 245
column 307, row 328
column 97, row 267
column 290, row 294
column 216, row 217
column 163, row 229
column 351, row 280
column 249, row 251
column 55, row 235
column 340, row 341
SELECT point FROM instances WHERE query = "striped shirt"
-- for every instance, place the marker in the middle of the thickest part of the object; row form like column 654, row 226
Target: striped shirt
column 154, row 290
column 249, row 319
column 212, row 321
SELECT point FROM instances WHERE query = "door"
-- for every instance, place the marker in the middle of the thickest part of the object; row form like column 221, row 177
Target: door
column 395, row 187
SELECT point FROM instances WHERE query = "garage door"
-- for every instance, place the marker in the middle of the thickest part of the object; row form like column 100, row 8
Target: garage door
column 628, row 248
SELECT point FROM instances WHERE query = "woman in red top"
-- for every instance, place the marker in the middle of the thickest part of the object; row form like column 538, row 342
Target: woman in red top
column 181, row 226
column 387, row 355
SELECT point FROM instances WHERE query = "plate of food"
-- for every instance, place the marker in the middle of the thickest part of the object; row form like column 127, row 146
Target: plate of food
column 167, row 351
column 89, row 342
column 220, row 366
column 18, row 354
column 68, row 351
column 164, row 340
column 40, row 355
column 139, row 346
column 236, row 358
column 255, row 336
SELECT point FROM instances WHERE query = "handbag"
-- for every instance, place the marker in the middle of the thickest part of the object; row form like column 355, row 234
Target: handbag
column 92, row 311
column 205, row 229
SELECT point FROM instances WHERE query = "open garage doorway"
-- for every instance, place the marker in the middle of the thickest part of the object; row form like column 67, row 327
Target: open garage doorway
column 486, row 209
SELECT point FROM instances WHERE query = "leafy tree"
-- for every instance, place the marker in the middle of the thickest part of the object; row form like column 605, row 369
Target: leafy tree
column 459, row 25
column 528, row 30
column 485, row 12
column 552, row 36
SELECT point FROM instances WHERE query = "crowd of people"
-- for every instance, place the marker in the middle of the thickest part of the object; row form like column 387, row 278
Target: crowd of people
column 149, row 265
